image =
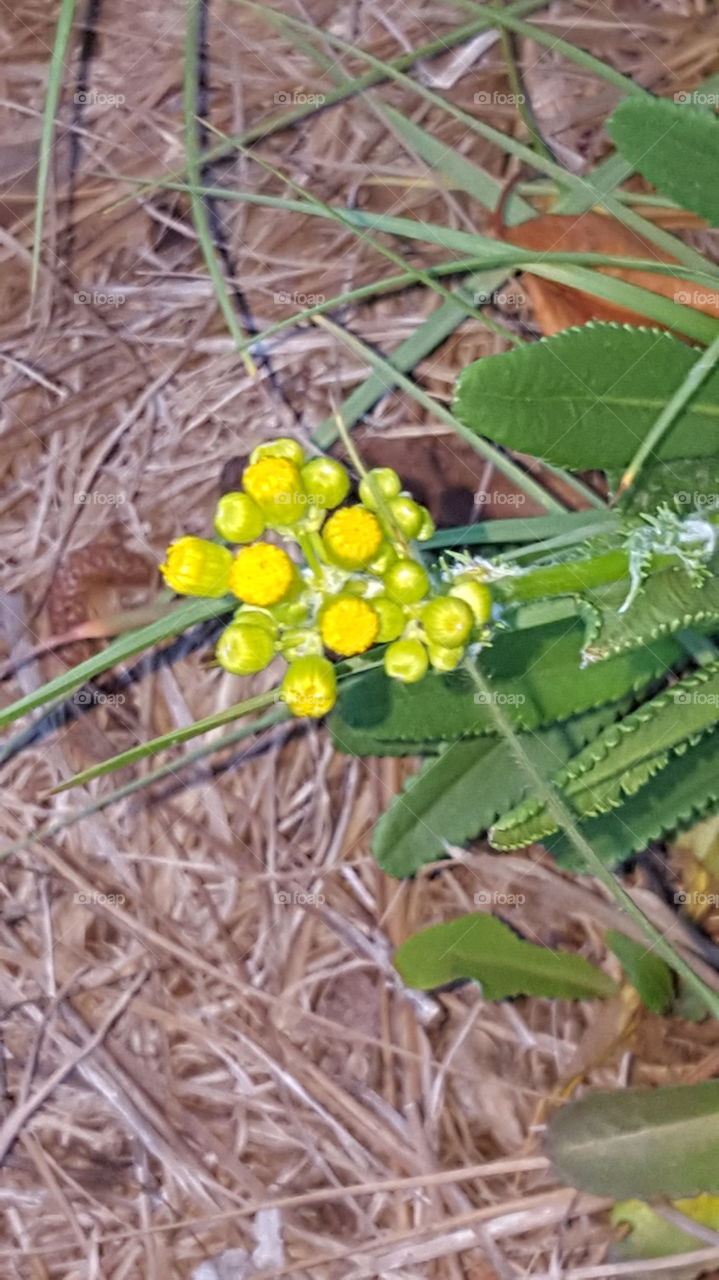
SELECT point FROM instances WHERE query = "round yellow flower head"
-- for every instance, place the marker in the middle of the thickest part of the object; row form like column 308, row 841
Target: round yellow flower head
column 348, row 625
column 310, row 687
column 262, row 575
column 352, row 536
column 197, row 567
column 275, row 485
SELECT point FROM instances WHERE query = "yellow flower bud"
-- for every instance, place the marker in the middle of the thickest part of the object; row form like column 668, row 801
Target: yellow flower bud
column 262, row 574
column 243, row 650
column 406, row 660
column 276, row 486
column 310, row 687
column 385, row 557
column 256, row 618
column 197, row 567
column 348, row 625
column 352, row 537
column 284, row 447
column 238, row 518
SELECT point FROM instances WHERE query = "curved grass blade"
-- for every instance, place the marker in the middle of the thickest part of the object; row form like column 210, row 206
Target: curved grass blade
column 271, row 718
column 186, row 615
column 54, row 86
column 194, row 170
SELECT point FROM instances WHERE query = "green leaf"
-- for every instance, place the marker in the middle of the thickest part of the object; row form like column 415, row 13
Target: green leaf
column 461, row 791
column 668, row 602
column 620, row 759
column 682, row 793
column 535, row 673
column 684, row 484
column 586, row 397
column 487, row 950
column 651, row 1236
column 675, row 147
column 640, row 1142
column 650, row 975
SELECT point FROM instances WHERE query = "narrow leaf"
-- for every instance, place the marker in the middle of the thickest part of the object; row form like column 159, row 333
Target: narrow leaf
column 483, row 948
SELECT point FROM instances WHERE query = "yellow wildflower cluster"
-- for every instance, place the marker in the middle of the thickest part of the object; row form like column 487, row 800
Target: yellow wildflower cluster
column 353, row 580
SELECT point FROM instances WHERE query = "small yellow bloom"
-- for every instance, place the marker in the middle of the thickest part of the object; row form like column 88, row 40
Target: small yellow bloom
column 262, row 574
column 352, row 536
column 197, row 567
column 349, row 625
column 275, row 485
column 310, row 687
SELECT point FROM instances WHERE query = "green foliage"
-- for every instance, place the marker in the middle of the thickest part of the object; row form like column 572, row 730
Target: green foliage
column 586, row 397
column 621, row 759
column 675, row 146
column 487, row 950
column 682, row 793
column 640, row 1142
column 461, row 791
column 536, row 675
column 650, row 975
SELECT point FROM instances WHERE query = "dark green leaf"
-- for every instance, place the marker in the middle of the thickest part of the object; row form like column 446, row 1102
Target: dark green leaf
column 459, row 793
column 675, row 146
column 621, row 759
column 535, row 673
column 679, row 795
column 640, row 1142
column 586, row 397
column 668, row 602
column 487, row 950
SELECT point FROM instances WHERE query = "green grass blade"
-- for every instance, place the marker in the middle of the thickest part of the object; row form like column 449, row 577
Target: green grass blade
column 690, row 384
column 52, row 98
column 186, row 615
column 539, row 530
column 504, row 464
column 287, row 119
column 170, row 739
column 682, row 253
column 51, row 829
column 431, row 334
column 194, row 170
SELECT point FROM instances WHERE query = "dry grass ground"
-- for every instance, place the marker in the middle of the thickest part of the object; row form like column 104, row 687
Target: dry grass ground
column 207, row 1054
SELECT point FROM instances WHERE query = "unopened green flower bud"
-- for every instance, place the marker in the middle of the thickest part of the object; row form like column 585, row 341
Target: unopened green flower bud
column 448, row 621
column 391, row 618
column 406, row 660
column 244, row 650
column 406, row 515
column 476, row 594
column 255, row 618
column 325, row 481
column 444, row 659
column 238, row 518
column 427, row 527
column 385, row 557
column 283, row 447
column 406, row 582
column 382, row 481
